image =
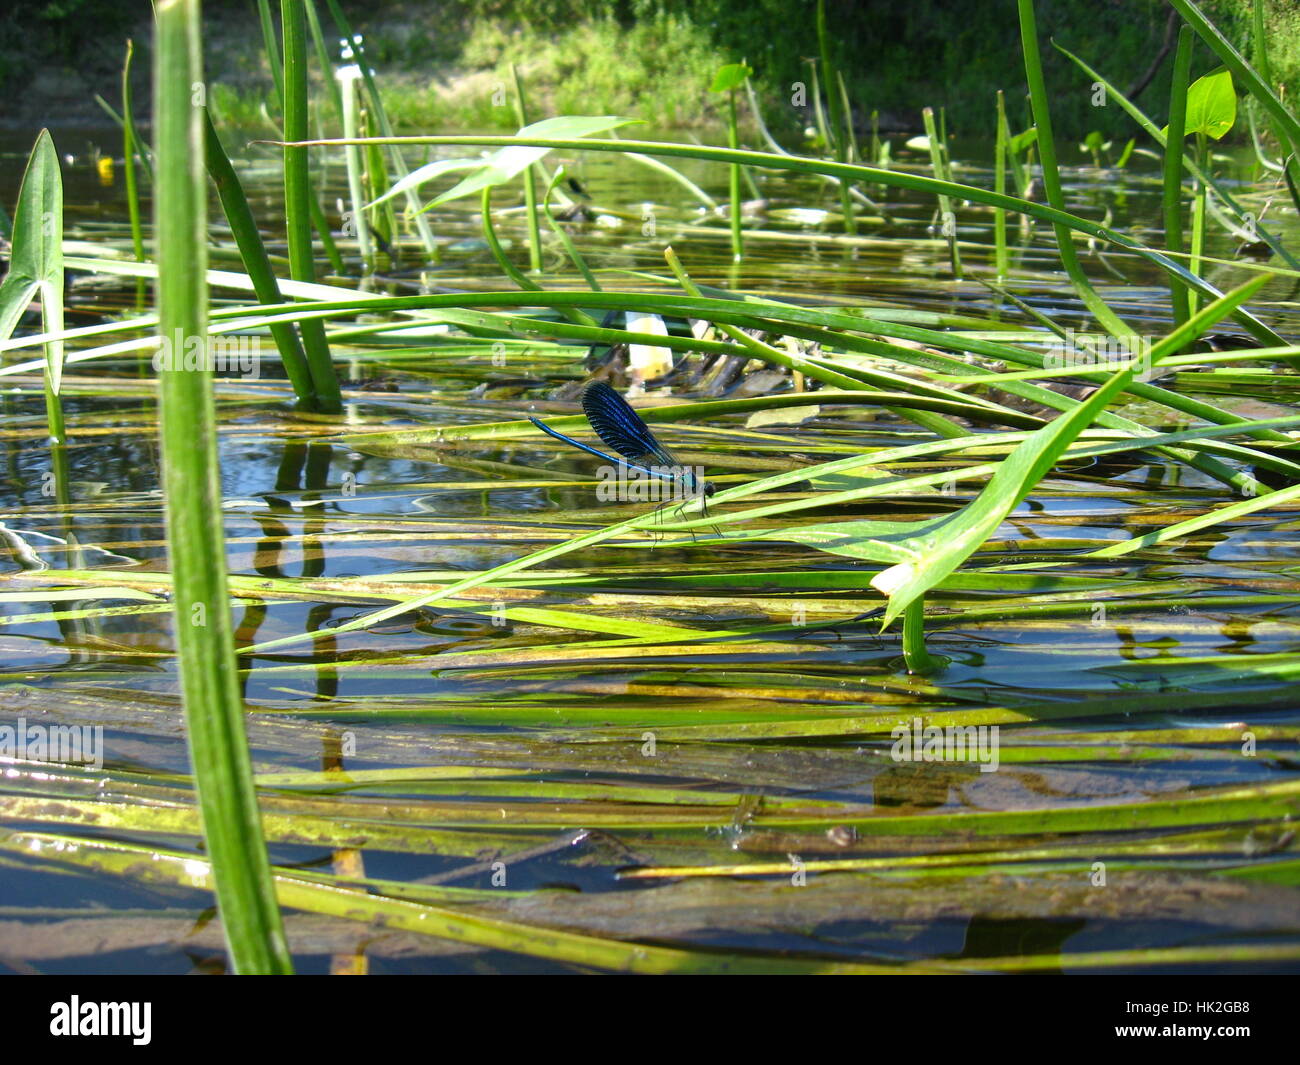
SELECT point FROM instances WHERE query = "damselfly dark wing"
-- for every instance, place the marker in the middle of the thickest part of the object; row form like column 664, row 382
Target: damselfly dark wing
column 621, row 427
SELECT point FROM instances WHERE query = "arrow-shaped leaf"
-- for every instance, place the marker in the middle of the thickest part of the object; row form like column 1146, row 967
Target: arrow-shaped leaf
column 36, row 261
column 1211, row 106
column 732, row 76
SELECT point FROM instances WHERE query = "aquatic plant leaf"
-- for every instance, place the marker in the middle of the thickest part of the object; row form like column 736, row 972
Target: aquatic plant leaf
column 425, row 173
column 36, row 265
column 1245, row 74
column 1021, row 141
column 506, row 163
column 731, row 76
column 1211, row 105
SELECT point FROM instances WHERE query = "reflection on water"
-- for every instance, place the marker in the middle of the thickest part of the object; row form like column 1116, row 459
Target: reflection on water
column 548, row 685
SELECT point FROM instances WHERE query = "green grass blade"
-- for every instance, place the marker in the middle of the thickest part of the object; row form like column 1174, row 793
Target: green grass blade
column 1221, row 189
column 562, row 235
column 129, row 151
column 921, row 561
column 272, row 46
column 1000, row 257
column 865, row 174
column 253, row 253
column 297, row 196
column 530, row 182
column 1108, row 319
column 509, row 162
column 214, row 710
column 1173, row 169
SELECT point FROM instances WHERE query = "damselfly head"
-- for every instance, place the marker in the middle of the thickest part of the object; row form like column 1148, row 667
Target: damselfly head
column 696, row 486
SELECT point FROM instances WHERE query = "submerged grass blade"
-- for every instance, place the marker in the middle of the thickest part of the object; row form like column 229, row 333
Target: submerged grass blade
column 459, row 924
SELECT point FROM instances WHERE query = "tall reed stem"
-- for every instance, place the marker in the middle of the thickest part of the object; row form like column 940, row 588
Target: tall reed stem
column 297, row 197
column 1173, row 169
column 256, row 262
column 129, row 172
column 733, row 173
column 939, row 163
column 1000, row 257
column 837, row 124
column 352, row 157
column 530, row 182
column 1107, row 318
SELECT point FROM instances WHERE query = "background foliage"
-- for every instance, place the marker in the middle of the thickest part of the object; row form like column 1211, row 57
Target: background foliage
column 650, row 56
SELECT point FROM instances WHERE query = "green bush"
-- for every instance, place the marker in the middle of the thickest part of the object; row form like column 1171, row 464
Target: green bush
column 653, row 58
